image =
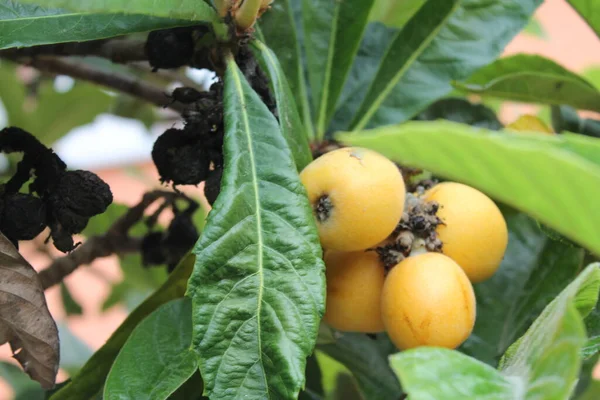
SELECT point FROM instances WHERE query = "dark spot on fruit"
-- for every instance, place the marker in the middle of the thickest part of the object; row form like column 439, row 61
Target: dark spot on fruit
column 323, row 208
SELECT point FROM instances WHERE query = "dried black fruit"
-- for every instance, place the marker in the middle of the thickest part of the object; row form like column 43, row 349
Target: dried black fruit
column 180, row 158
column 180, row 237
column 170, row 48
column 78, row 196
column 152, row 249
column 62, row 239
column 82, row 192
column 212, row 186
column 23, row 216
column 188, row 95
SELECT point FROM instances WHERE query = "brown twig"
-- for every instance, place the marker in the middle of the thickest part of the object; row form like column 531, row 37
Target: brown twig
column 117, row 50
column 123, row 83
column 167, row 76
column 115, row 241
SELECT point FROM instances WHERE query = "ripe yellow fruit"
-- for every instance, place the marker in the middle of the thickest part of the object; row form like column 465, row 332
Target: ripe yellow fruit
column 474, row 233
column 354, row 284
column 529, row 123
column 427, row 300
column 357, row 197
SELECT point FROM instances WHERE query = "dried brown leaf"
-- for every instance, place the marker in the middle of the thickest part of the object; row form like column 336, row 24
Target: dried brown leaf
column 25, row 321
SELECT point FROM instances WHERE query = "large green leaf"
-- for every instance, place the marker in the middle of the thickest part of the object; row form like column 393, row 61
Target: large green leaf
column 289, row 119
column 445, row 40
column 141, row 374
column 461, row 110
column 532, row 78
column 258, row 284
column 90, row 379
column 333, row 30
column 71, row 306
column 193, row 10
column 367, row 361
column 74, row 353
column 24, row 388
column 565, row 118
column 429, row 373
column 535, row 269
column 545, row 362
column 23, row 25
column 545, row 176
column 589, row 11
column 278, row 29
column 395, row 13
column 372, row 48
column 44, row 115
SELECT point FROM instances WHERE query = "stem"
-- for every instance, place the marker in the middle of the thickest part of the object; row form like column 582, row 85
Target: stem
column 117, row 50
column 115, row 241
column 123, row 83
column 245, row 16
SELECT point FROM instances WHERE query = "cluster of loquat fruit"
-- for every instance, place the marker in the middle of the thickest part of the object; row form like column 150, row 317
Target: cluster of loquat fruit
column 426, row 298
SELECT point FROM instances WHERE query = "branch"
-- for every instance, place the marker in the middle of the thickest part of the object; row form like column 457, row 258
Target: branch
column 116, row 50
column 123, row 83
column 115, row 241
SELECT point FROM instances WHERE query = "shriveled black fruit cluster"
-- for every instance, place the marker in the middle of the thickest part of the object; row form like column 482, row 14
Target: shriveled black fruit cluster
column 169, row 247
column 256, row 77
column 415, row 232
column 63, row 200
column 194, row 154
column 177, row 47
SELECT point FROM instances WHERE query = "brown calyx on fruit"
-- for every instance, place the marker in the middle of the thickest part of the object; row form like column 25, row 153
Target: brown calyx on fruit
column 323, row 208
column 415, row 232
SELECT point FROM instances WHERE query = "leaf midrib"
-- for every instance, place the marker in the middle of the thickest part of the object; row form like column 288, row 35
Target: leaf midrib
column 327, row 79
column 260, row 272
column 416, row 54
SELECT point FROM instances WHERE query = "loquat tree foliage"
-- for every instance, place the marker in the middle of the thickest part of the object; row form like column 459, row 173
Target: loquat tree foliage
column 374, row 231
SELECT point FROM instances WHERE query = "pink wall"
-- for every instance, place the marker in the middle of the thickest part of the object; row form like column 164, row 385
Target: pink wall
column 568, row 42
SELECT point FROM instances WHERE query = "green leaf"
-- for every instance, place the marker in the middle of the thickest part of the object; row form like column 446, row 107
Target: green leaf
column 436, row 373
column 23, row 386
column 141, row 374
column 74, row 353
column 592, row 327
column 192, row 10
column 589, row 10
column 535, row 79
column 90, row 379
column 535, row 28
column 333, row 30
column 100, row 224
column 463, row 111
column 23, row 25
column 71, row 305
column 372, row 48
column 313, row 389
column 535, row 269
column 395, row 13
column 289, row 119
column 545, row 361
column 367, row 361
column 258, row 286
column 547, row 176
column 278, row 29
column 592, row 392
column 446, row 40
column 43, row 115
column 565, row 118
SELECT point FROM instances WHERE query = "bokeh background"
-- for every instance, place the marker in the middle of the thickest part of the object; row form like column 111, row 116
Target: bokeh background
column 97, row 298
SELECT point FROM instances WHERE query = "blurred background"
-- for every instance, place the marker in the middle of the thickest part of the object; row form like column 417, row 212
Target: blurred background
column 112, row 135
